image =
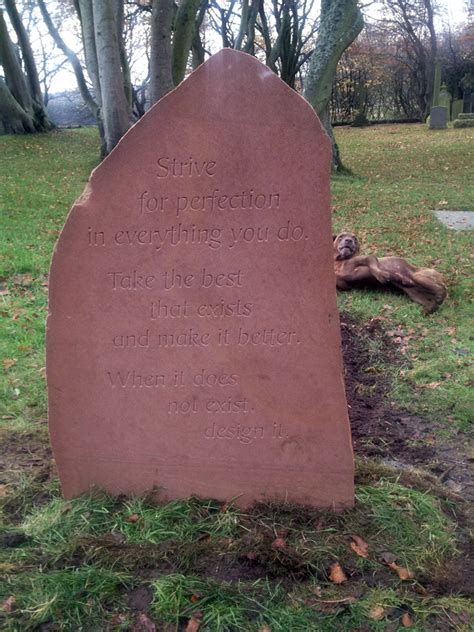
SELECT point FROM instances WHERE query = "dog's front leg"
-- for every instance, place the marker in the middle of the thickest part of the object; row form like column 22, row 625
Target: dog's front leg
column 373, row 264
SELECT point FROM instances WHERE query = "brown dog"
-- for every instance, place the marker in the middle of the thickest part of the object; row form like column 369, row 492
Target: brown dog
column 423, row 285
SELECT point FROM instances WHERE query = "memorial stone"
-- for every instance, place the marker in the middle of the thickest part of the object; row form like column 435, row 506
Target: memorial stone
column 444, row 100
column 457, row 108
column 438, row 117
column 193, row 337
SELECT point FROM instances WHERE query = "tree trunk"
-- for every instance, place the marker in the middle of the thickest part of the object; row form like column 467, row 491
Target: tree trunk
column 86, row 17
column 13, row 118
column 115, row 108
column 92, row 105
column 21, row 105
column 184, row 26
column 197, row 47
column 26, row 51
column 161, row 78
column 340, row 23
column 118, row 9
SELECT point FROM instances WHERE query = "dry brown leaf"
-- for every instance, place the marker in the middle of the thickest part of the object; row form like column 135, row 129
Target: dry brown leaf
column 336, row 574
column 9, row 362
column 406, row 620
column 279, row 543
column 377, row 613
column 193, row 625
column 195, row 598
column 3, row 491
column 133, row 518
column 349, row 599
column 431, row 385
column 144, row 623
column 402, row 572
column 4, row 292
column 66, row 507
column 24, row 280
column 9, row 604
column 265, row 628
column 359, row 546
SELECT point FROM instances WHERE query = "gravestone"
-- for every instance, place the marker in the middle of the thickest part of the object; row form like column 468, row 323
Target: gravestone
column 457, row 108
column 193, row 336
column 444, row 100
column 438, row 117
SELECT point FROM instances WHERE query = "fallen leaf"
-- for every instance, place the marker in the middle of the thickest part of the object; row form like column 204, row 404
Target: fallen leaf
column 9, row 604
column 133, row 518
column 193, row 625
column 406, row 620
column 402, row 572
column 6, row 567
column 359, row 546
column 144, row 624
column 279, row 543
column 9, row 362
column 24, row 280
column 195, row 598
column 3, row 491
column 431, row 385
column 350, row 599
column 377, row 613
column 336, row 574
column 4, row 292
column 66, row 507
column 265, row 628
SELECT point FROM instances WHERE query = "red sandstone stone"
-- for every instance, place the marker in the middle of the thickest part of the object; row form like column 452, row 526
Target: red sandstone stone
column 193, row 335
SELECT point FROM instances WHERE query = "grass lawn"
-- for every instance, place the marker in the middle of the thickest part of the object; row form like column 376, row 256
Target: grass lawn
column 98, row 563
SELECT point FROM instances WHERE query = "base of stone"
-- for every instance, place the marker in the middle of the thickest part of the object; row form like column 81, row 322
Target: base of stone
column 464, row 122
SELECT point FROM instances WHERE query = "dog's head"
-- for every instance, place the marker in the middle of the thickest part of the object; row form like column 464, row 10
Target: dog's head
column 346, row 245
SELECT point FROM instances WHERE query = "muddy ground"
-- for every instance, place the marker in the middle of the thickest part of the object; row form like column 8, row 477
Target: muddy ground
column 392, row 435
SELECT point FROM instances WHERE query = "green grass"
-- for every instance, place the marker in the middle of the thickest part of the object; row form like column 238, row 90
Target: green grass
column 403, row 172
column 81, row 555
column 41, row 177
column 79, row 559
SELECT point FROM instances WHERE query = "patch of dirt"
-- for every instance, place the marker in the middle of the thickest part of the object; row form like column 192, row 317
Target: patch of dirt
column 23, row 453
column 383, row 431
column 140, row 598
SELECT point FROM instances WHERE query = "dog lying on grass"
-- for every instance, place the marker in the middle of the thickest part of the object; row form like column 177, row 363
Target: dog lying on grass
column 423, row 285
